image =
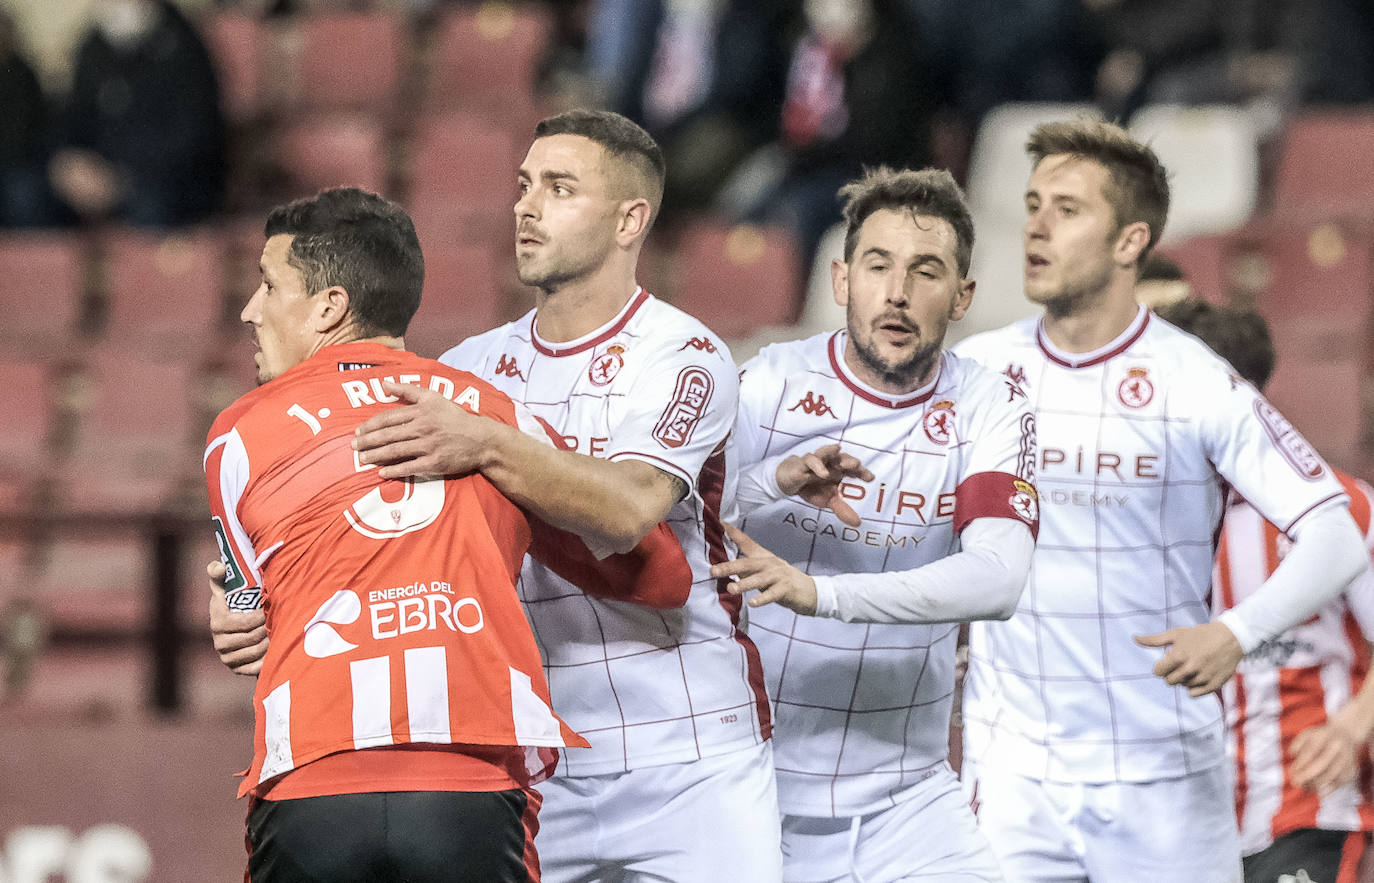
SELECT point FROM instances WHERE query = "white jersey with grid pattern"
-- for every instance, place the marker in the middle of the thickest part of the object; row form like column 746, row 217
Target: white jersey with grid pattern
column 643, row 686
column 1135, row 442
column 862, row 710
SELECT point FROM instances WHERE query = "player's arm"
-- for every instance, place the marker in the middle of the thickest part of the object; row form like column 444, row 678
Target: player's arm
column 654, row 573
column 981, row 581
column 612, row 504
column 1327, row 553
column 240, row 637
column 239, row 634
column 1326, row 756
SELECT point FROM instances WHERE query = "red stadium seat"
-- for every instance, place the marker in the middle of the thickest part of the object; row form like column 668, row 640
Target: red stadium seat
column 238, row 42
column 738, row 279
column 1317, row 381
column 165, row 293
column 462, row 296
column 26, row 400
column 95, row 583
column 1206, row 264
column 348, row 61
column 462, row 176
column 1315, row 269
column 331, row 151
column 487, row 56
column 1326, row 165
column 41, row 290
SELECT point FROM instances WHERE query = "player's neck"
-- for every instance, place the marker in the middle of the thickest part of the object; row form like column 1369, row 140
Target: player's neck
column 1089, row 324
column 580, row 306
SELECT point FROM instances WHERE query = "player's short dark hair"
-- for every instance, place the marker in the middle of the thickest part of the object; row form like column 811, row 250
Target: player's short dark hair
column 929, row 192
column 619, row 136
column 1241, row 337
column 1138, row 188
column 1157, row 268
column 362, row 243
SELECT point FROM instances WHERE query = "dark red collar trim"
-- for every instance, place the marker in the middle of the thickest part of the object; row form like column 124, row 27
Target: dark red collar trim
column 597, row 338
column 1111, row 351
column 836, row 352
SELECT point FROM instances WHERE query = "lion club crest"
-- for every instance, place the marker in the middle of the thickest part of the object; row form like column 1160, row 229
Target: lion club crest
column 606, row 365
column 1023, row 501
column 1136, row 390
column 939, row 421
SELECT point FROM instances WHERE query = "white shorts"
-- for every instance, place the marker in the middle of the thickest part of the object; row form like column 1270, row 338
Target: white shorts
column 1165, row 830
column 707, row 821
column 931, row 835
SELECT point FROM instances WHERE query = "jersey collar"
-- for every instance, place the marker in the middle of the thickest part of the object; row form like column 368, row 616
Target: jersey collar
column 868, row 393
column 1118, row 346
column 595, row 338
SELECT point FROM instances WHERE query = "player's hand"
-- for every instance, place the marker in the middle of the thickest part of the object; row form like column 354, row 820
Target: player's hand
column 816, row 478
column 240, row 637
column 1325, row 757
column 776, row 581
column 427, row 436
column 1200, row 657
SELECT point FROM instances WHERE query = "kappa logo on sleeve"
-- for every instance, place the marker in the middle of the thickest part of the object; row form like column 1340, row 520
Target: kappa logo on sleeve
column 1295, row 449
column 684, row 412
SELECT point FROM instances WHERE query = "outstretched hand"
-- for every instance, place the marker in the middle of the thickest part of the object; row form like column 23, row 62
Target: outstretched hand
column 816, row 478
column 240, row 637
column 1200, row 657
column 759, row 569
column 1325, row 757
column 427, row 436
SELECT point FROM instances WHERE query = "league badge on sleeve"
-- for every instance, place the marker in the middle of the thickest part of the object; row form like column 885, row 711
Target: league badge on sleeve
column 1023, row 501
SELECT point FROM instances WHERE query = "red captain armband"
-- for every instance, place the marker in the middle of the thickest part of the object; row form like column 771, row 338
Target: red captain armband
column 996, row 495
column 654, row 573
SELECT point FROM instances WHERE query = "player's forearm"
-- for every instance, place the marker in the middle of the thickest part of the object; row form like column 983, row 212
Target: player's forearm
column 758, row 485
column 1327, row 553
column 983, row 581
column 612, row 505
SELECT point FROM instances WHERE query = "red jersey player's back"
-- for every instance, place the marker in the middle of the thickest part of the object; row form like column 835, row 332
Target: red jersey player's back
column 391, row 604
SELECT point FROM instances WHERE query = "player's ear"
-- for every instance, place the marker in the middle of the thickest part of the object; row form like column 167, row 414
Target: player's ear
column 1131, row 243
column 963, row 299
column 634, row 220
column 331, row 308
column 839, row 281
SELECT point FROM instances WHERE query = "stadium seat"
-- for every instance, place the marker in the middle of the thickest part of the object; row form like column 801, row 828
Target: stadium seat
column 1326, row 165
column 1319, row 269
column 487, row 57
column 999, row 167
column 333, row 150
column 238, row 42
column 462, row 176
column 1317, row 384
column 1212, row 154
column 462, row 296
column 87, row 684
column 348, row 61
column 165, row 293
column 41, row 291
column 26, row 400
column 1206, row 262
column 94, row 583
column 737, row 279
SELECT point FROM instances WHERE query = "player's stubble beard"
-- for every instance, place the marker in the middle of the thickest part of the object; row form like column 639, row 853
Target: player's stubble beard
column 905, row 374
column 1075, row 297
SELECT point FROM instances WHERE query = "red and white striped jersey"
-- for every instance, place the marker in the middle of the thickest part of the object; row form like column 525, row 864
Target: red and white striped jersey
column 391, row 605
column 645, row 687
column 863, row 709
column 1292, row 682
column 1135, row 441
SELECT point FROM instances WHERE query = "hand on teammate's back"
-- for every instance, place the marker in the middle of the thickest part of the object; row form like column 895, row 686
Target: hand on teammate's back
column 427, row 436
column 1200, row 657
column 816, row 478
column 776, row 580
column 240, row 638
column 1325, row 757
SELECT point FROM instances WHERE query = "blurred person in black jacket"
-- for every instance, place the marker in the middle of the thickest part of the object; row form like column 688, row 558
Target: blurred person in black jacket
column 25, row 198
column 144, row 137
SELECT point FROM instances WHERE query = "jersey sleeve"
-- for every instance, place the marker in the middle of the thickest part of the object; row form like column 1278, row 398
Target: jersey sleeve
column 654, row 573
column 998, row 480
column 680, row 408
column 227, row 470
column 1256, row 448
column 1359, row 595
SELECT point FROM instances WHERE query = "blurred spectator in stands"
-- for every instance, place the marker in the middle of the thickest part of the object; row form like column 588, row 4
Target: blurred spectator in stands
column 704, row 77
column 856, row 95
column 144, row 137
column 25, row 198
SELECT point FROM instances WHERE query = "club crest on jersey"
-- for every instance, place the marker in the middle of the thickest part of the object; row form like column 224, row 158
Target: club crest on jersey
column 939, row 422
column 606, row 365
column 1294, row 448
column 506, row 367
column 1136, row 390
column 684, row 412
column 813, row 404
column 1023, row 501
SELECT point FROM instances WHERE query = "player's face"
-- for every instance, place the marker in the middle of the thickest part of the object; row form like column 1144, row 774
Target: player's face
column 1070, row 231
column 900, row 290
column 280, row 312
column 565, row 218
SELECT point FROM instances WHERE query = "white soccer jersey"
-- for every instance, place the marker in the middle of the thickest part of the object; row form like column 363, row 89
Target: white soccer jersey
column 1135, row 440
column 862, row 710
column 644, row 686
column 1289, row 683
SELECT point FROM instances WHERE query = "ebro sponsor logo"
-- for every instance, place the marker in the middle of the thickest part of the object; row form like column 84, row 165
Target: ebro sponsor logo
column 429, row 607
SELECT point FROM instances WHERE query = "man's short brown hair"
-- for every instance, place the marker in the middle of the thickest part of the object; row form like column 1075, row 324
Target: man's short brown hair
column 1139, row 185
column 929, row 192
column 1241, row 337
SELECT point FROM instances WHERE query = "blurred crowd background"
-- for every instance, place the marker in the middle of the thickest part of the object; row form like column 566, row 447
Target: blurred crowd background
column 141, row 141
